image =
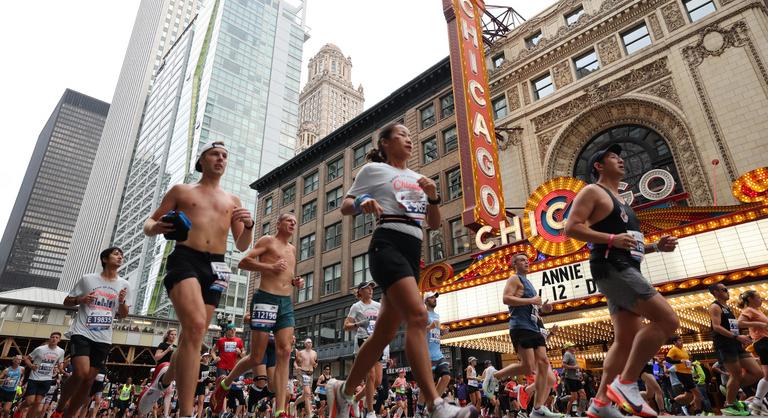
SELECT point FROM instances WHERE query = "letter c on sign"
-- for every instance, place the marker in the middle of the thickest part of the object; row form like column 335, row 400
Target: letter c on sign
column 490, row 200
column 468, row 8
column 483, row 245
column 485, row 162
column 477, row 92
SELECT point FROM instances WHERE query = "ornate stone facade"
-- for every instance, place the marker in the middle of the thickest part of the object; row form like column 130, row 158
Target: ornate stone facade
column 562, row 74
column 664, row 90
column 609, row 50
column 653, row 22
column 673, row 18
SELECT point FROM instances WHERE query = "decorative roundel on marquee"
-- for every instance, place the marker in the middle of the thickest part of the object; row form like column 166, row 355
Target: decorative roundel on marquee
column 752, row 187
column 545, row 214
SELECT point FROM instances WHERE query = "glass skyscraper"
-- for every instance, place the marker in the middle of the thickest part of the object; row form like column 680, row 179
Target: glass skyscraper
column 39, row 231
column 234, row 77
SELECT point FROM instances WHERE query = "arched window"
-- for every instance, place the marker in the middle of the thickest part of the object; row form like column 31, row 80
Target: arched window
column 643, row 149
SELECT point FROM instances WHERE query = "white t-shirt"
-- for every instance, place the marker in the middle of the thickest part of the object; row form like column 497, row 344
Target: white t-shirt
column 46, row 359
column 396, row 190
column 94, row 320
column 360, row 311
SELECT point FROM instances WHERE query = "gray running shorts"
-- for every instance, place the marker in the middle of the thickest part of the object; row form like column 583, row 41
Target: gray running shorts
column 622, row 285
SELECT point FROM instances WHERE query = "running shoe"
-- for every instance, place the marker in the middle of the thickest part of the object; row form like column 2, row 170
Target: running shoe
column 338, row 403
column 219, row 395
column 607, row 411
column 152, row 393
column 732, row 411
column 544, row 412
column 627, row 396
column 758, row 406
column 442, row 409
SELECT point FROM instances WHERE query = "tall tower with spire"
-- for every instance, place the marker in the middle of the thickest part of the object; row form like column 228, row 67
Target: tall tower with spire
column 329, row 99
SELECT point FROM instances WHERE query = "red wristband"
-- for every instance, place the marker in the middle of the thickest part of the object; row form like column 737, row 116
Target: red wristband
column 610, row 241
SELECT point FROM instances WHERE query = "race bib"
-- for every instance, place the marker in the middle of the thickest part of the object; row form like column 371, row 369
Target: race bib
column 46, row 369
column 434, row 335
column 306, row 379
column 221, row 272
column 9, row 383
column 544, row 332
column 371, row 325
column 99, row 320
column 264, row 315
column 733, row 326
column 414, row 202
column 100, row 377
column 230, row 346
column 473, row 383
column 639, row 251
column 204, row 375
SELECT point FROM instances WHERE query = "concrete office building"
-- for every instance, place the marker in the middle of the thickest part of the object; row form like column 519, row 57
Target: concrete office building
column 39, row 231
column 158, row 24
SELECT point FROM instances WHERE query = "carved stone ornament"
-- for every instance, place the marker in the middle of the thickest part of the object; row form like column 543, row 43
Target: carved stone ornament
column 713, row 41
column 544, row 140
column 664, row 90
column 609, row 50
column 562, row 73
column 673, row 17
column 526, row 93
column 595, row 94
column 514, row 98
column 562, row 154
column 653, row 22
column 512, row 136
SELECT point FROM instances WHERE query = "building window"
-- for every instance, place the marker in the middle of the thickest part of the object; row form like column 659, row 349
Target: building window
column 436, row 247
column 574, row 16
column 459, row 237
column 304, row 294
column 498, row 59
column 289, row 194
column 265, row 229
column 450, row 139
column 363, row 225
column 307, row 247
column 360, row 152
column 311, row 182
column 333, row 199
column 499, row 107
column 436, row 179
column 335, row 169
column 698, row 8
column 360, row 269
column 636, row 38
column 542, row 86
column 586, row 63
column 332, row 236
column 308, row 211
column 332, row 279
column 533, row 40
column 446, row 105
column 427, row 116
column 429, row 150
column 454, row 183
column 268, row 205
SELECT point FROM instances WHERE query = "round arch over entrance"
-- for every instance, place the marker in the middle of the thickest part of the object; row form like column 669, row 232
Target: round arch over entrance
column 561, row 156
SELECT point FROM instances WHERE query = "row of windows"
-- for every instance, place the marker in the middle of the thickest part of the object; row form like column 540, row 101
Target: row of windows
column 429, row 147
column 332, row 278
column 427, row 113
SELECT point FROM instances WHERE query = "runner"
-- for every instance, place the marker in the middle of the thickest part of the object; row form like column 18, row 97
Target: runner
column 44, row 361
column 271, row 310
column 652, row 388
column 162, row 355
column 441, row 370
column 680, row 358
column 202, row 381
column 572, row 375
column 259, row 395
column 401, row 398
column 100, row 298
column 598, row 216
column 401, row 199
column 97, row 389
column 321, row 392
column 528, row 335
column 473, row 383
column 729, row 345
column 196, row 274
column 227, row 351
column 362, row 318
column 306, row 360
column 752, row 317
column 490, row 389
column 12, row 377
column 124, row 397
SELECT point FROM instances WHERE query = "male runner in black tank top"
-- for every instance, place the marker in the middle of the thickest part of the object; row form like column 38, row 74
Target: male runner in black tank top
column 729, row 345
column 598, row 216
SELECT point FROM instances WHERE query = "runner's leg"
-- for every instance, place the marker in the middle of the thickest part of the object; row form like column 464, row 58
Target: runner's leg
column 625, row 326
column 283, row 350
column 649, row 338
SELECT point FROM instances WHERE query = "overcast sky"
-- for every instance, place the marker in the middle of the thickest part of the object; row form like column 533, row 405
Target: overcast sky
column 79, row 44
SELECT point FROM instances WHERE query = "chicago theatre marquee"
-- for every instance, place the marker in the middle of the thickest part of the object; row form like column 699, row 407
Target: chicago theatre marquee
column 682, row 86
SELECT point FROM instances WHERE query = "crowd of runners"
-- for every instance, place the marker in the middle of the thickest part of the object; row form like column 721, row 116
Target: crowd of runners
column 272, row 377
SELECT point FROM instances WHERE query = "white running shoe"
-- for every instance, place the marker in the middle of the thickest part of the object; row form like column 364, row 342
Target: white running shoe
column 607, row 411
column 442, row 409
column 758, row 406
column 627, row 396
column 153, row 392
column 544, row 412
column 338, row 403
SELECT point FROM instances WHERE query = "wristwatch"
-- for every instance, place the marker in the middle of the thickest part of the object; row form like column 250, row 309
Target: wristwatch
column 435, row 201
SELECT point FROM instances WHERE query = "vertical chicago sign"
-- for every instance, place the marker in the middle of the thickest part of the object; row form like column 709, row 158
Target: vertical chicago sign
column 481, row 178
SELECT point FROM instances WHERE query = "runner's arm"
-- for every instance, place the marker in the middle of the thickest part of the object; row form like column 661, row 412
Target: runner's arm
column 714, row 315
column 510, row 290
column 28, row 361
column 581, row 208
column 243, row 236
column 350, row 324
column 168, row 204
column 251, row 260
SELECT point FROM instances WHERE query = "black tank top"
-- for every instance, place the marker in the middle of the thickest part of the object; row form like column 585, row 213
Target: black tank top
column 620, row 220
column 727, row 321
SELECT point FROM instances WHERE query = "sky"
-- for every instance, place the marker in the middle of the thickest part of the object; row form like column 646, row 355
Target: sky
column 80, row 44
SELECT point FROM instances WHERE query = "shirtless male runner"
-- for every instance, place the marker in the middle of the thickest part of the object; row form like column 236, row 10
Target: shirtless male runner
column 600, row 216
column 306, row 359
column 271, row 310
column 196, row 274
